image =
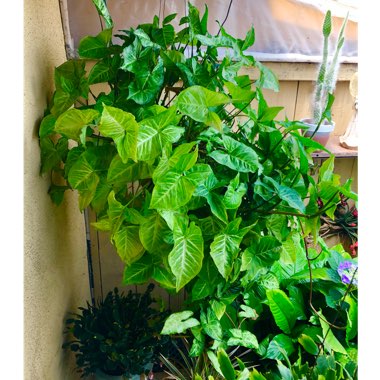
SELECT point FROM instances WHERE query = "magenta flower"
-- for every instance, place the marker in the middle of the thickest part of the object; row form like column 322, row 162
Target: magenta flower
column 347, row 271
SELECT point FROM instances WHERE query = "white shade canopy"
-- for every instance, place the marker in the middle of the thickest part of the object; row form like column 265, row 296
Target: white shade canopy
column 286, row 30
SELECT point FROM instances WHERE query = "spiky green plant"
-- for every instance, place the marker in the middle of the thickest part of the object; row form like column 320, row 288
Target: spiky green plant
column 328, row 72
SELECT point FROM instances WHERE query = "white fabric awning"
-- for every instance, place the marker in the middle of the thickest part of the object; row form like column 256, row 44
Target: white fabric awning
column 286, row 30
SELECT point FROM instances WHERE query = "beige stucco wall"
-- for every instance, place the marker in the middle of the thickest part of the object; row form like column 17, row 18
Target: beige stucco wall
column 55, row 265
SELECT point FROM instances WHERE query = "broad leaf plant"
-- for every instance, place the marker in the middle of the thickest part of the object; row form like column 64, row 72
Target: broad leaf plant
column 199, row 185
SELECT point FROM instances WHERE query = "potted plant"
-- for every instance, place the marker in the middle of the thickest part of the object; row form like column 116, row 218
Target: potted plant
column 195, row 197
column 118, row 337
column 320, row 125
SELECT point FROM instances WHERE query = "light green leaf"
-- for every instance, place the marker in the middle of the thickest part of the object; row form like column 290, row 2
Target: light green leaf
column 177, row 323
column 308, row 344
column 267, row 249
column 71, row 122
column 267, row 78
column 155, row 132
column 352, row 319
column 239, row 156
column 211, row 324
column 152, row 233
column 242, row 338
column 172, row 191
column 122, row 127
column 186, row 258
column 196, row 100
column 248, row 312
column 225, row 365
column 120, row 173
column 82, row 176
column 217, row 206
column 235, row 192
column 102, row 225
column 226, row 246
column 128, row 244
column 282, row 309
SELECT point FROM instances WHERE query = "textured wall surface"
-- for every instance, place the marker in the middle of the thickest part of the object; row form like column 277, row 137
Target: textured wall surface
column 55, row 265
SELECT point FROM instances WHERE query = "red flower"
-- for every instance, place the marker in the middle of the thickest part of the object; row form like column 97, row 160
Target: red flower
column 355, row 213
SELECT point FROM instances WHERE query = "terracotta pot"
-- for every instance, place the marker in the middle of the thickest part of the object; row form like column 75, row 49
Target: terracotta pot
column 323, row 133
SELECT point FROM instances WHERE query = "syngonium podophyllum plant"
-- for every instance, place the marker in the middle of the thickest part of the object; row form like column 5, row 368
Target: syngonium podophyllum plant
column 200, row 187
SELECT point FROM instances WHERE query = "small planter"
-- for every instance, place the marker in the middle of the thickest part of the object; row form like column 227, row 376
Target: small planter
column 323, row 133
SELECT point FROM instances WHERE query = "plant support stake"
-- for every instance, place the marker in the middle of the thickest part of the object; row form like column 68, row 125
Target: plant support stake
column 89, row 256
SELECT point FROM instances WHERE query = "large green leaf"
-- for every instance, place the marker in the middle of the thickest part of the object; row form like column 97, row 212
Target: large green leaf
column 282, row 309
column 164, row 277
column 237, row 156
column 128, row 244
column 83, row 177
column 71, row 122
column 157, row 131
column 122, row 127
column 95, row 47
column 71, row 83
column 172, row 191
column 47, row 126
column 120, row 173
column 195, row 102
column 207, row 280
column 100, row 72
column 211, row 324
column 152, row 233
column 146, row 84
column 235, row 191
column 139, row 272
column 242, row 338
column 170, row 160
column 266, row 249
column 186, row 257
column 177, row 323
column 226, row 245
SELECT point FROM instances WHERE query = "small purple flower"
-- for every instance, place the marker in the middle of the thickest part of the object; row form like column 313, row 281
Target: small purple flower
column 348, row 272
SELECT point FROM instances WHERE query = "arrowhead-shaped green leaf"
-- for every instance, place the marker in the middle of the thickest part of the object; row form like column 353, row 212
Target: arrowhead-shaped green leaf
column 157, row 131
column 127, row 243
column 226, row 246
column 122, row 127
column 239, row 156
column 71, row 122
column 186, row 258
column 177, row 323
column 152, row 233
